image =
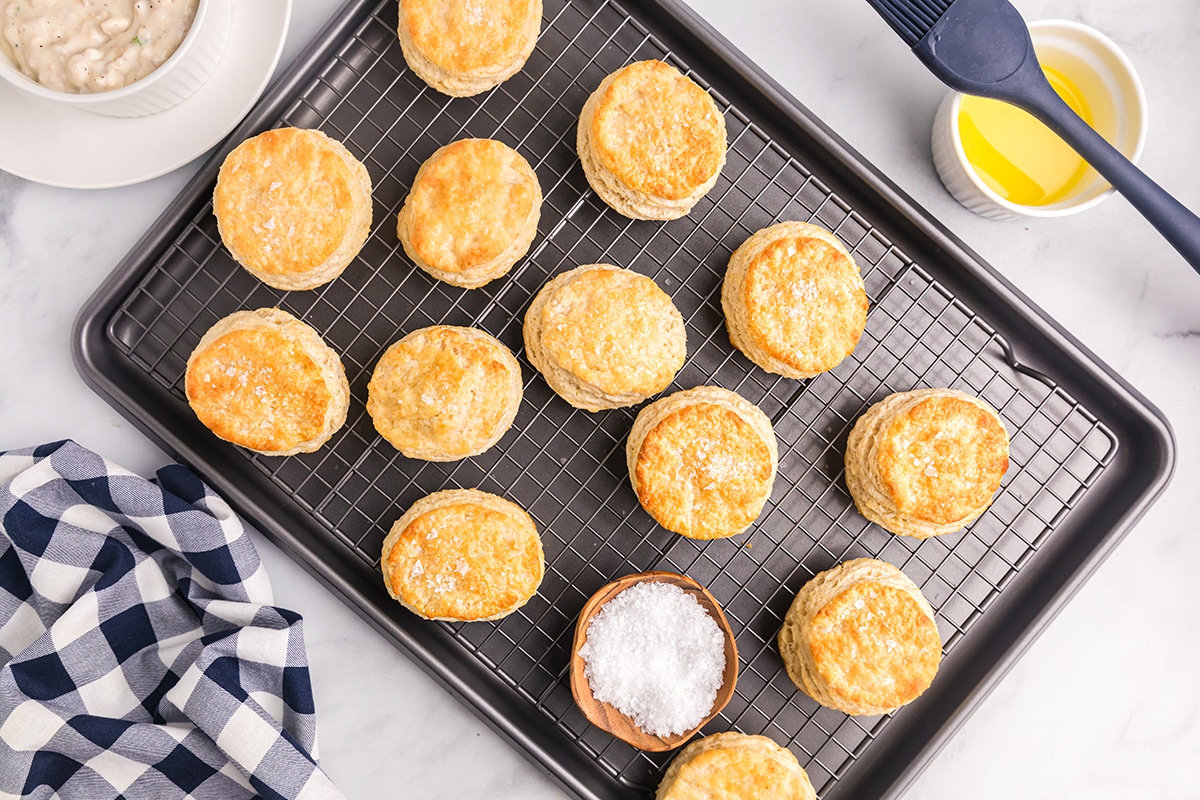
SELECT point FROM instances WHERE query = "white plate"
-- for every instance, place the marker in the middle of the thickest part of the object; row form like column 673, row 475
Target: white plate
column 77, row 149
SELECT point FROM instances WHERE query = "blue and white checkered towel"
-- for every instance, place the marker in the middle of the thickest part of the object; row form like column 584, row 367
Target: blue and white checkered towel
column 140, row 653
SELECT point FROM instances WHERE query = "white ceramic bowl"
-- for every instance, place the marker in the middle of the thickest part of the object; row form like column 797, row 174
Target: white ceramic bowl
column 1104, row 76
column 179, row 76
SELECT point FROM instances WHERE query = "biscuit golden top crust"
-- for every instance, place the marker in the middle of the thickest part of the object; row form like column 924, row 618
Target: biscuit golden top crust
column 465, row 561
column 874, row 645
column 657, row 131
column 704, row 472
column 468, row 204
column 805, row 301
column 468, row 35
column 733, row 766
column 615, row 330
column 943, row 459
column 443, row 390
column 280, row 198
column 259, row 389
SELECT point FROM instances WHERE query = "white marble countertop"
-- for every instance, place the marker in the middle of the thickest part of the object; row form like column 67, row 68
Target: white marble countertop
column 1106, row 704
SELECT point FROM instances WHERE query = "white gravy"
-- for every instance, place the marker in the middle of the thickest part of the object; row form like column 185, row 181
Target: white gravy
column 88, row 46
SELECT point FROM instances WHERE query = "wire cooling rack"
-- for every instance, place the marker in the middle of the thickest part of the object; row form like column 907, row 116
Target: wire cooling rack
column 566, row 466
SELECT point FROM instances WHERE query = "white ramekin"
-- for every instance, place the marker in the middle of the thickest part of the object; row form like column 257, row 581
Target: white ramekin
column 179, row 76
column 1104, row 76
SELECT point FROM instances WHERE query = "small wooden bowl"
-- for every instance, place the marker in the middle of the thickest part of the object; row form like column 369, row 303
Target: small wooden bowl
column 604, row 716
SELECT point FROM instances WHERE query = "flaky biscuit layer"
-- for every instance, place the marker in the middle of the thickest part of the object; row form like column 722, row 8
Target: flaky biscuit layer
column 735, row 766
column 268, row 382
column 293, row 207
column 604, row 337
column 702, row 462
column 444, row 393
column 651, row 141
column 464, row 47
column 463, row 555
column 472, row 212
column 926, row 462
column 861, row 638
column 794, row 300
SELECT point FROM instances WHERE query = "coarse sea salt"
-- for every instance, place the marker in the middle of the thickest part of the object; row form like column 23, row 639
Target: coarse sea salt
column 655, row 655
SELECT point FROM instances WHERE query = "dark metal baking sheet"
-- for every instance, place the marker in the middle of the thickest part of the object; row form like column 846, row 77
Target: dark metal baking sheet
column 1088, row 453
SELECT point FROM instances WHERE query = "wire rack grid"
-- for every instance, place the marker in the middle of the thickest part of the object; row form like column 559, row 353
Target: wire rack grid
column 567, row 466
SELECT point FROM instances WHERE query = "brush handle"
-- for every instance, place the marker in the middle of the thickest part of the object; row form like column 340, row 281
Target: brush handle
column 1174, row 221
column 983, row 47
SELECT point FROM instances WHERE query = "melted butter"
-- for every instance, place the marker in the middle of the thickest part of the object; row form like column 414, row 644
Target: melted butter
column 1018, row 157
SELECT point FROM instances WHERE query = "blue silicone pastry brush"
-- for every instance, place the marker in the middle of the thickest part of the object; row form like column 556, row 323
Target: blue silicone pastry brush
column 982, row 47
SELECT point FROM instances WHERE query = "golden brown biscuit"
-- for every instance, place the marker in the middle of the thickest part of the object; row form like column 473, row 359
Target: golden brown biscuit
column 444, row 393
column 735, row 766
column 268, row 382
column 464, row 47
column 604, row 337
column 702, row 462
column 861, row 638
column 293, row 206
column 472, row 212
column 926, row 462
column 651, row 141
column 463, row 555
column 794, row 300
